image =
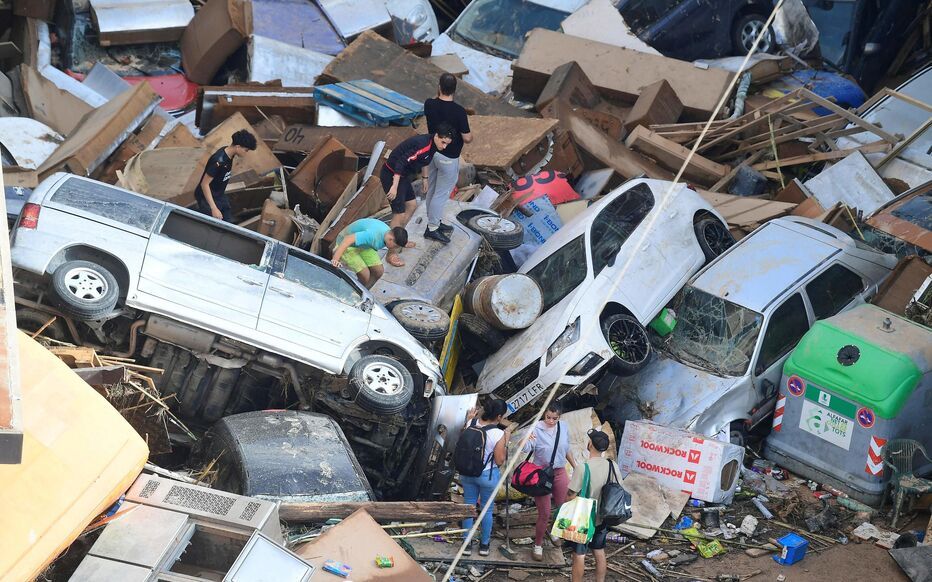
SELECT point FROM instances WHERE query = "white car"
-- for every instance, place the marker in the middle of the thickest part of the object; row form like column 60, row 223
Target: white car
column 489, row 34
column 605, row 276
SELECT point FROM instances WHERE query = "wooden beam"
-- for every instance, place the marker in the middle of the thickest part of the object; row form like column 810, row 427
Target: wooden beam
column 379, row 510
column 672, row 155
column 877, row 146
column 903, row 144
column 851, row 117
column 763, row 140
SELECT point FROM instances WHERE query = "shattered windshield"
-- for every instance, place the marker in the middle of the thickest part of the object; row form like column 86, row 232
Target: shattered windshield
column 499, row 26
column 918, row 211
column 713, row 334
column 562, row 272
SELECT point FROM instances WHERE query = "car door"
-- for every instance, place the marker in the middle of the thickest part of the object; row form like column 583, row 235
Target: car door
column 835, row 289
column 205, row 271
column 313, row 306
column 787, row 324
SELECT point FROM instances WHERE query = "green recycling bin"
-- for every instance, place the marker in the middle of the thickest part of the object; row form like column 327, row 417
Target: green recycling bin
column 854, row 382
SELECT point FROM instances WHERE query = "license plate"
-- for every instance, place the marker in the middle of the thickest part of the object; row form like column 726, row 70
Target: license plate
column 525, row 396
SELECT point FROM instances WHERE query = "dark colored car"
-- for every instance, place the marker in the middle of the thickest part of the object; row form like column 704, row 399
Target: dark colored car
column 697, row 29
column 285, row 455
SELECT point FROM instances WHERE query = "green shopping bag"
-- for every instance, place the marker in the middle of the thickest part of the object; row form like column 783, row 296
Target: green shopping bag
column 575, row 520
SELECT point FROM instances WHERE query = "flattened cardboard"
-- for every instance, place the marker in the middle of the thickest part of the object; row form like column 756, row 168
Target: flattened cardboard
column 101, row 132
column 356, row 541
column 216, row 31
column 618, row 73
column 261, row 160
column 54, row 107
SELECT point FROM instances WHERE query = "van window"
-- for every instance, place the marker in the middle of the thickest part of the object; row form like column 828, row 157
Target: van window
column 787, row 326
column 832, row 290
column 559, row 274
column 616, row 222
column 214, row 238
column 108, row 202
column 320, row 279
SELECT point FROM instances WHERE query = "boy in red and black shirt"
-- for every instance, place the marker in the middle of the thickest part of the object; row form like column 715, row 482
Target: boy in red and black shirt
column 412, row 155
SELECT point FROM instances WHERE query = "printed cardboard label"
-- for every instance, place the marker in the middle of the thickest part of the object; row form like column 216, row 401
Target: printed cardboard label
column 826, row 424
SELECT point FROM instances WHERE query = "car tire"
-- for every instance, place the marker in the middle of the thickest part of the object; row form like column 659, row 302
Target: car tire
column 381, row 385
column 746, row 30
column 480, row 335
column 501, row 233
column 629, row 343
column 714, row 237
column 422, row 320
column 31, row 320
column 85, row 290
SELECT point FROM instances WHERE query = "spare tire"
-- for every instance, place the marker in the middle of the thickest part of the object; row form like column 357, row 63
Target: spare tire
column 85, row 290
column 381, row 385
column 422, row 320
column 501, row 233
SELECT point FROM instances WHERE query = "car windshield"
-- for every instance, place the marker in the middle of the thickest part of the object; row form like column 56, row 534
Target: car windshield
column 561, row 273
column 712, row 333
column 499, row 26
column 918, row 211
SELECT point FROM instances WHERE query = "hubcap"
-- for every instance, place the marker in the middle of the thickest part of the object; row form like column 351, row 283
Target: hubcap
column 628, row 341
column 495, row 224
column 717, row 237
column 382, row 378
column 85, row 284
column 422, row 312
column 750, row 32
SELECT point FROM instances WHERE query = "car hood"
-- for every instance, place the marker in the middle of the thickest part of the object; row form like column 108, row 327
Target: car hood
column 666, row 392
column 489, row 73
column 528, row 345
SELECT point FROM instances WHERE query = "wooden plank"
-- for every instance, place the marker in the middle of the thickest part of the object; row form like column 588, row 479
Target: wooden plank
column 742, row 123
column 373, row 57
column 613, row 154
column 657, row 103
column 764, row 141
column 101, row 375
column 672, row 155
column 903, row 144
column 387, row 511
column 746, row 211
column 851, row 117
column 877, row 146
column 304, row 138
column 498, row 142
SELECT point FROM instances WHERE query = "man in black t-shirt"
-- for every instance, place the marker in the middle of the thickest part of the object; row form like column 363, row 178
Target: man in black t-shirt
column 211, row 189
column 444, row 168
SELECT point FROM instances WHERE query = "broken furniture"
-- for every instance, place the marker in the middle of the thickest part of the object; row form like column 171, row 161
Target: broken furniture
column 216, row 31
column 140, row 21
column 514, row 146
column 899, row 455
column 369, row 103
column 79, row 456
column 854, row 384
column 173, row 531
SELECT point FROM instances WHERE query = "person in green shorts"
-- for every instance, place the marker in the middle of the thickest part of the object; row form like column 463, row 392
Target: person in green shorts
column 358, row 246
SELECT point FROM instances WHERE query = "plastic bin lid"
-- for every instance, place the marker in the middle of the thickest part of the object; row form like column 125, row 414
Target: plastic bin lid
column 856, row 356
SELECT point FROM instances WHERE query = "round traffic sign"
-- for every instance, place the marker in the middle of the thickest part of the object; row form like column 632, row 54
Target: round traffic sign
column 865, row 417
column 795, row 385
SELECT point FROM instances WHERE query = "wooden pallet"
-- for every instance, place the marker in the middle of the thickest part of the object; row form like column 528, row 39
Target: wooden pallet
column 369, row 103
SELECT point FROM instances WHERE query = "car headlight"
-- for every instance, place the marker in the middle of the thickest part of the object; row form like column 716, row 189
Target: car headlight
column 418, row 16
column 569, row 337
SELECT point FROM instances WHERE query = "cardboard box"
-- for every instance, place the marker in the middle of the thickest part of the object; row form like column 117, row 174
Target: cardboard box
column 319, row 180
column 217, row 30
column 705, row 468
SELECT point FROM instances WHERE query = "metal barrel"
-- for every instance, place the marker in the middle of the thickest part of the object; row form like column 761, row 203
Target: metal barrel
column 506, row 302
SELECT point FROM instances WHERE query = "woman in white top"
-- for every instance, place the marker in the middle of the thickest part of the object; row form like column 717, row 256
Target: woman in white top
column 542, row 443
column 480, row 488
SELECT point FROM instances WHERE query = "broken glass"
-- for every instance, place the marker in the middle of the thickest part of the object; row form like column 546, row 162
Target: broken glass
column 887, row 243
column 713, row 333
column 918, row 211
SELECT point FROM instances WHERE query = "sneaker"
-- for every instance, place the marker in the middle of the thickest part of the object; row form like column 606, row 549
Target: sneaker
column 468, row 550
column 483, row 549
column 538, row 554
column 445, row 228
column 557, row 542
column 436, row 235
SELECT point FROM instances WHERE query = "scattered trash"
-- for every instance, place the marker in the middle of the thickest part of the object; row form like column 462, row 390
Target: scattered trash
column 762, row 508
column 794, row 549
column 748, row 525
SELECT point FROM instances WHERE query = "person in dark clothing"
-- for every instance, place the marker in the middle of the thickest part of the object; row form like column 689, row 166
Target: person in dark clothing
column 444, row 168
column 211, row 189
column 412, row 155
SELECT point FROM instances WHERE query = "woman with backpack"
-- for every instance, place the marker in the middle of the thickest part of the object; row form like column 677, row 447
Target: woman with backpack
column 550, row 446
column 479, row 453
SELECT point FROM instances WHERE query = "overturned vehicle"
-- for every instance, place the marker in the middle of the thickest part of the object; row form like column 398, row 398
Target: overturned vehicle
column 237, row 322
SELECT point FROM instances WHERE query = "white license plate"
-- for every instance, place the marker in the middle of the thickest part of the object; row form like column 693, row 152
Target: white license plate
column 525, row 396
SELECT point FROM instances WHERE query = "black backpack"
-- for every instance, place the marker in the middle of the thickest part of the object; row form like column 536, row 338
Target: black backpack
column 469, row 454
column 615, row 502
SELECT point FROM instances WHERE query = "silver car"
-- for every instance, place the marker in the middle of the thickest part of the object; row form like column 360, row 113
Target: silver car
column 738, row 320
column 223, row 310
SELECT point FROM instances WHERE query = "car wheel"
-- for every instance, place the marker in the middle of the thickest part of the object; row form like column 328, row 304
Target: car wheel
column 31, row 321
column 85, row 290
column 746, row 30
column 480, row 335
column 422, row 320
column 501, row 233
column 629, row 343
column 713, row 236
column 381, row 384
